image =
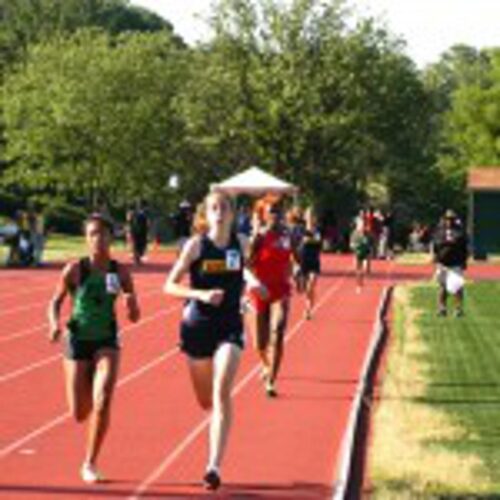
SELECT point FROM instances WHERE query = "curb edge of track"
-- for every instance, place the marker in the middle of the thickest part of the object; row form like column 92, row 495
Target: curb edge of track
column 344, row 487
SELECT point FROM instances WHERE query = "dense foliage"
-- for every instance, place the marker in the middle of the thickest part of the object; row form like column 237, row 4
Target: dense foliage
column 101, row 101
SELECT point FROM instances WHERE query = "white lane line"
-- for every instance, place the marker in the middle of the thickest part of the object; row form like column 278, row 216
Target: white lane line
column 191, row 437
column 61, row 418
column 30, row 331
column 50, row 359
column 44, row 303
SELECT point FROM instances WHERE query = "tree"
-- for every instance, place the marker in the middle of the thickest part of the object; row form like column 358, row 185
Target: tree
column 293, row 88
column 91, row 115
column 464, row 89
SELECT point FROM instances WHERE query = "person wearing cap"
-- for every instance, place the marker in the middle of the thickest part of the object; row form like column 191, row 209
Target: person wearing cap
column 450, row 253
column 91, row 346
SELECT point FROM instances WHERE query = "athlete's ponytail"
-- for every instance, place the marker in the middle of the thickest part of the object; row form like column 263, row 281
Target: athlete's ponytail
column 200, row 223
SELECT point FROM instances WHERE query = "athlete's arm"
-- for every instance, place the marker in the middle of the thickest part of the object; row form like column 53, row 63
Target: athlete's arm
column 129, row 295
column 190, row 252
column 253, row 245
column 252, row 282
column 66, row 283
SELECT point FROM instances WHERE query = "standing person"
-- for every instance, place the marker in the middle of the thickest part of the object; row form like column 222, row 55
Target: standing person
column 212, row 324
column 297, row 226
column 450, row 252
column 183, row 222
column 309, row 252
column 139, row 233
column 360, row 245
column 92, row 350
column 271, row 260
column 38, row 237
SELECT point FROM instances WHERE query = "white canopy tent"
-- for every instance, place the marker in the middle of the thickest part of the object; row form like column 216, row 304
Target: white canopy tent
column 254, row 181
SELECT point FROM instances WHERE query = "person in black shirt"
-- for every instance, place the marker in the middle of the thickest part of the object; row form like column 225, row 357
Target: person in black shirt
column 309, row 251
column 139, row 228
column 212, row 324
column 450, row 252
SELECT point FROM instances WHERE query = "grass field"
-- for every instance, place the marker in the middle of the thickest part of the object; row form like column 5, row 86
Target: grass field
column 437, row 425
column 61, row 247
column 409, row 258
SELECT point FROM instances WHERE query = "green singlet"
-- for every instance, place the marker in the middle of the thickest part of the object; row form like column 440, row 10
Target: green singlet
column 93, row 316
column 361, row 245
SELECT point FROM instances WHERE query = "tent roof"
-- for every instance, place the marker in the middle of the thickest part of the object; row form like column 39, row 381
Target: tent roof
column 254, row 181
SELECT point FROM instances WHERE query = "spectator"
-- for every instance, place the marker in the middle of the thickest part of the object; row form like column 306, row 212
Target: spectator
column 139, row 227
column 183, row 222
column 450, row 252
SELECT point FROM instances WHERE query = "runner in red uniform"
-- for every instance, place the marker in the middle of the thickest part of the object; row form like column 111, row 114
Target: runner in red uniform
column 271, row 262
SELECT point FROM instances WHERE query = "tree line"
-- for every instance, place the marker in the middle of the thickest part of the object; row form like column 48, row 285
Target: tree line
column 102, row 100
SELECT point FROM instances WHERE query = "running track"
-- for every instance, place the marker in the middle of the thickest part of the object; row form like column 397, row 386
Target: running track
column 283, row 448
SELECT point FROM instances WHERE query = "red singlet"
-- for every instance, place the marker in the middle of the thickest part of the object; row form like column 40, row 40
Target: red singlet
column 271, row 265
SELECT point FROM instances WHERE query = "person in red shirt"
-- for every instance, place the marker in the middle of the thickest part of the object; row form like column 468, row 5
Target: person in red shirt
column 270, row 260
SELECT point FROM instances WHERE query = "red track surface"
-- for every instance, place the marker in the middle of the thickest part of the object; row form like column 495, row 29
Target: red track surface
column 283, row 448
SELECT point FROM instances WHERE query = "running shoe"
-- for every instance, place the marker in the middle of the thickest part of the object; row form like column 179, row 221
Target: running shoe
column 90, row 474
column 211, row 480
column 271, row 390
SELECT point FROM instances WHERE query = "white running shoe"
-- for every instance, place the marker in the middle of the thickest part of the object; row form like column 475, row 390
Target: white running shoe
column 90, row 474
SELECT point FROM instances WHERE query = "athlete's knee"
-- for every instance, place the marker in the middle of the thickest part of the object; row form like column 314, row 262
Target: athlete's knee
column 205, row 402
column 102, row 404
column 222, row 405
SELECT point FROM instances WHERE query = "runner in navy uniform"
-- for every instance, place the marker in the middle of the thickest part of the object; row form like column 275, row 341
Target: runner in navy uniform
column 212, row 325
column 309, row 260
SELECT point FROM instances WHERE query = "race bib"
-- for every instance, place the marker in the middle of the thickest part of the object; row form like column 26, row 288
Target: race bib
column 233, row 260
column 112, row 283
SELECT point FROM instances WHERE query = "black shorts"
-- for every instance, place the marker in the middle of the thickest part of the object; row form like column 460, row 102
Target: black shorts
column 201, row 338
column 85, row 350
column 310, row 267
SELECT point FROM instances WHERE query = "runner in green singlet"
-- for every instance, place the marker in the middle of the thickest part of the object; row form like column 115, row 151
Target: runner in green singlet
column 361, row 246
column 91, row 340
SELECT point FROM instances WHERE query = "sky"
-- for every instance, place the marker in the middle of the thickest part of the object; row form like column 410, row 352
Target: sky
column 429, row 27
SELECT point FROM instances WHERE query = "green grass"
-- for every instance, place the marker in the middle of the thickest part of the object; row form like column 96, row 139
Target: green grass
column 62, row 247
column 464, row 360
column 409, row 258
column 455, row 411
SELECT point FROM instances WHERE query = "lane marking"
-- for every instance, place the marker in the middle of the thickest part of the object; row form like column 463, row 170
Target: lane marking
column 33, row 366
column 191, row 437
column 65, row 416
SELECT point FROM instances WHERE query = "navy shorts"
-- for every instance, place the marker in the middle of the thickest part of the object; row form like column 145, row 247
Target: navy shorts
column 86, row 350
column 201, row 338
column 310, row 266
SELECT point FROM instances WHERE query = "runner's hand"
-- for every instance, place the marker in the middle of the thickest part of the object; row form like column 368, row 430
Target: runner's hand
column 262, row 292
column 213, row 297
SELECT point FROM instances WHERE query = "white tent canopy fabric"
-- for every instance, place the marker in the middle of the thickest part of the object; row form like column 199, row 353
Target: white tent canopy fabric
column 254, row 181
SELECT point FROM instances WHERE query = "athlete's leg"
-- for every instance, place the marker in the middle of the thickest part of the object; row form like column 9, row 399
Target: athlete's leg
column 279, row 316
column 226, row 361
column 312, row 278
column 78, row 382
column 201, row 371
column 260, row 320
column 106, row 373
column 359, row 263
